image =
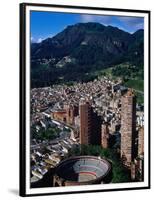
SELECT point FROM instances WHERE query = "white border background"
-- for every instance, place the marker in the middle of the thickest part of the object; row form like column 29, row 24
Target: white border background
column 9, row 101
column 89, row 187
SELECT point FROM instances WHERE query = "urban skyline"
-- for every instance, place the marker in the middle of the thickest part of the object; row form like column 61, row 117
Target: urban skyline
column 85, row 121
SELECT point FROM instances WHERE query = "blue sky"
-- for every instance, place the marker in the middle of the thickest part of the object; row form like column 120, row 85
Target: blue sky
column 48, row 24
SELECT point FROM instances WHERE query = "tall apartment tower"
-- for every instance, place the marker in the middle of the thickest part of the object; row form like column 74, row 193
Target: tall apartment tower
column 128, row 127
column 85, row 112
column 104, row 136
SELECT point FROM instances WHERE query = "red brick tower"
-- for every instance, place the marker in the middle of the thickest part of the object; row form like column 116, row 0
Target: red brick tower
column 128, row 127
column 85, row 112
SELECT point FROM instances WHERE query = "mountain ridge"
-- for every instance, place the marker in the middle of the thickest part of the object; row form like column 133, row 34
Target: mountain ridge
column 91, row 46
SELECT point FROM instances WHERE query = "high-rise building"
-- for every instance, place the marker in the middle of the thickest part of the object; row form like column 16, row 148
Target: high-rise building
column 85, row 112
column 104, row 136
column 128, row 127
column 90, row 124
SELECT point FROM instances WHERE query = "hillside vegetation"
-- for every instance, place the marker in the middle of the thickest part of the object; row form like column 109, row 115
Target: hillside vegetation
column 81, row 50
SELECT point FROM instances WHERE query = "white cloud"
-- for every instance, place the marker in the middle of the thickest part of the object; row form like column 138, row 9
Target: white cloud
column 32, row 39
column 87, row 18
column 40, row 40
column 126, row 23
column 106, row 20
column 135, row 22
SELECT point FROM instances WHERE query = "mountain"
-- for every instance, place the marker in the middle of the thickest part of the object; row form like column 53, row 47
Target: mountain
column 84, row 47
column 135, row 51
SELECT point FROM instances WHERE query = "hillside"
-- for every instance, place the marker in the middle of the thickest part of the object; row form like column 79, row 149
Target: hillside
column 81, row 49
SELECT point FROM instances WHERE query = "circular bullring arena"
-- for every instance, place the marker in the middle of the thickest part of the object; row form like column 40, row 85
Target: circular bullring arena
column 82, row 170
